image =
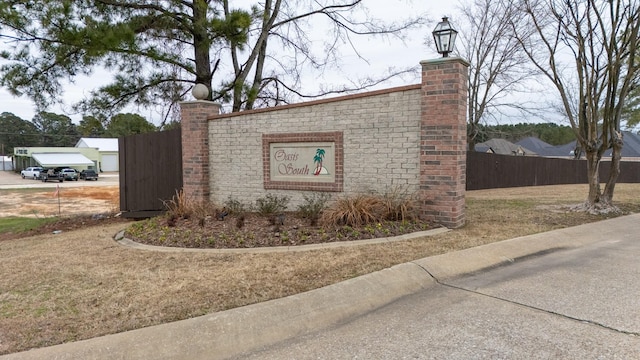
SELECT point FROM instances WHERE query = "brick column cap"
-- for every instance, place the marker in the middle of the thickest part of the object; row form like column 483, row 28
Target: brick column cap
column 205, row 102
column 445, row 60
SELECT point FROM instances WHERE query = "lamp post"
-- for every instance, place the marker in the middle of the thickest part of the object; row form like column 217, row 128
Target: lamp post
column 445, row 37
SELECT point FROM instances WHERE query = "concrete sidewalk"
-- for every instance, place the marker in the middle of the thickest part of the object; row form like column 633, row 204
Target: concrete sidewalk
column 230, row 333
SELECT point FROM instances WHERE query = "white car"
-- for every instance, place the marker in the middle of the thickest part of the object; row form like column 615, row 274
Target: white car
column 32, row 172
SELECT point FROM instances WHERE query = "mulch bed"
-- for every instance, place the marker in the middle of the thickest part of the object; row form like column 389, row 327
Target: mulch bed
column 257, row 231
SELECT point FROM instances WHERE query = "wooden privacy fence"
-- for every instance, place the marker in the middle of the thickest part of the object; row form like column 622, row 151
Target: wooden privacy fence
column 489, row 171
column 150, row 172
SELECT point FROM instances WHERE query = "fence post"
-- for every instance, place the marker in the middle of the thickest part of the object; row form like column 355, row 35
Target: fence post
column 195, row 148
column 443, row 142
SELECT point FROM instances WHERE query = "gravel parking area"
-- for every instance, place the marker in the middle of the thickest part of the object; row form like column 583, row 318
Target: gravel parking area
column 13, row 180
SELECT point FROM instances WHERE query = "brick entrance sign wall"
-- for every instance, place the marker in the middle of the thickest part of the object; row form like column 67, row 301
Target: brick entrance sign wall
column 411, row 137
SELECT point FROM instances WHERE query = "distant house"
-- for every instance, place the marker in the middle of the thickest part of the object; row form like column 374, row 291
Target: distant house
column 107, row 149
column 503, row 147
column 547, row 150
column 630, row 149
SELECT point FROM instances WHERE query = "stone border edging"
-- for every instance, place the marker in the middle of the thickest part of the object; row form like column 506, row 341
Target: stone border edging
column 120, row 239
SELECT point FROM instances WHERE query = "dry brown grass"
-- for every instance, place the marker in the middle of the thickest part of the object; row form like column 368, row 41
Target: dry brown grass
column 81, row 284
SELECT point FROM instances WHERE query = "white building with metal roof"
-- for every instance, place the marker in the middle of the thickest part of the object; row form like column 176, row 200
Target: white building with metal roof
column 107, row 148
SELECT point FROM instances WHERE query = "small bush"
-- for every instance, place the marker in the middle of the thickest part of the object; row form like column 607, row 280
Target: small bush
column 240, row 221
column 235, row 207
column 313, row 206
column 271, row 204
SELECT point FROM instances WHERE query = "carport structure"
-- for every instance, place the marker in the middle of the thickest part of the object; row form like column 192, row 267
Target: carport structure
column 62, row 159
column 77, row 158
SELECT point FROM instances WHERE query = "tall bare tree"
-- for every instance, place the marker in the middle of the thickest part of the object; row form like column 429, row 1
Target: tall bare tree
column 267, row 71
column 587, row 49
column 498, row 66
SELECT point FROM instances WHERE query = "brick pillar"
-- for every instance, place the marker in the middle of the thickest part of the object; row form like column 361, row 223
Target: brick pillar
column 195, row 148
column 443, row 141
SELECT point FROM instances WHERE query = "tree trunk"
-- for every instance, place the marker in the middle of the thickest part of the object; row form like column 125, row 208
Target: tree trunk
column 201, row 45
column 471, row 143
column 616, row 155
column 260, row 60
column 269, row 17
column 593, row 176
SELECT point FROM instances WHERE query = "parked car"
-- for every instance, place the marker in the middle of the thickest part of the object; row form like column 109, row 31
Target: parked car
column 89, row 175
column 51, row 175
column 32, row 172
column 69, row 174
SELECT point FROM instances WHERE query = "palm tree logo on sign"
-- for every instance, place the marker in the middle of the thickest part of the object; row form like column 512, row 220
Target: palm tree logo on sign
column 317, row 159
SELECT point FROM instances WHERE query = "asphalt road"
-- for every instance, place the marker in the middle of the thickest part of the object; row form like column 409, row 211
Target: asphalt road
column 563, row 303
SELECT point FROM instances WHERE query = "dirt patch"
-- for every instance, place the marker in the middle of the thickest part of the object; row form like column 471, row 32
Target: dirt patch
column 59, row 202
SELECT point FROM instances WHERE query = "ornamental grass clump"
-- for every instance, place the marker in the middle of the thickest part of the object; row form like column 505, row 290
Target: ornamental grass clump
column 181, row 207
column 365, row 209
column 354, row 211
column 400, row 205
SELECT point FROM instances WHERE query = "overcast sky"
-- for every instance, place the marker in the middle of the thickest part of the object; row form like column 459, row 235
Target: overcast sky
column 380, row 56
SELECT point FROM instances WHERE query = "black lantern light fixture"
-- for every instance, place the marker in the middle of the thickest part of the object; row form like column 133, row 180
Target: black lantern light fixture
column 445, row 37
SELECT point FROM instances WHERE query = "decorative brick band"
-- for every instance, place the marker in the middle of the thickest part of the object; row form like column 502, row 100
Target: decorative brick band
column 329, row 137
column 443, row 141
column 195, row 148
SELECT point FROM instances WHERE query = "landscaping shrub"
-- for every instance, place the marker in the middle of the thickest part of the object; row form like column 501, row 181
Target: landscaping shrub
column 271, row 204
column 235, row 207
column 313, row 206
